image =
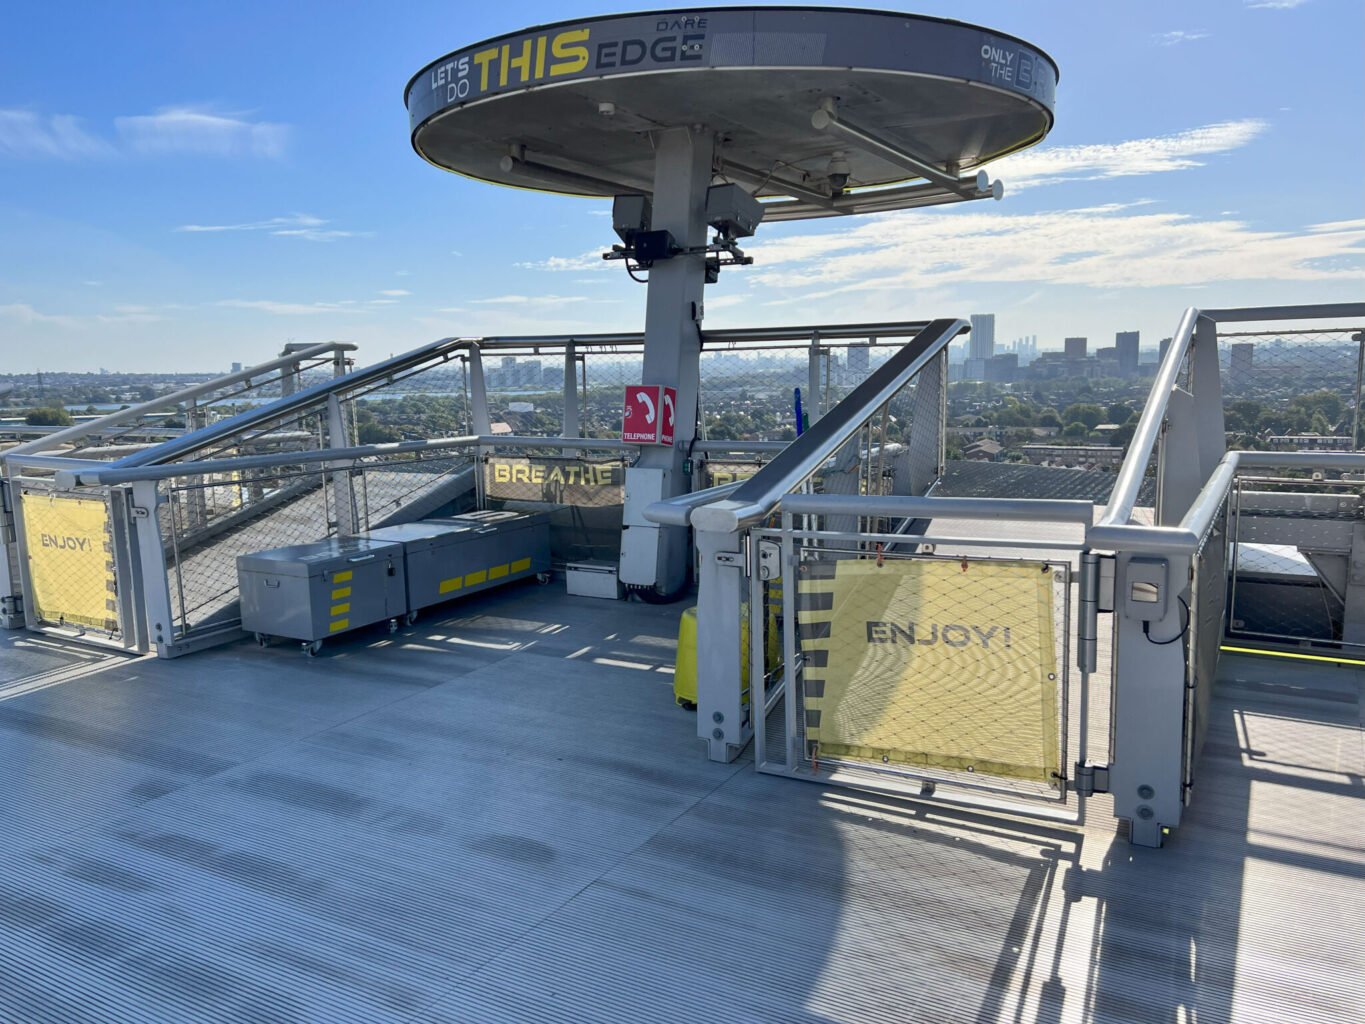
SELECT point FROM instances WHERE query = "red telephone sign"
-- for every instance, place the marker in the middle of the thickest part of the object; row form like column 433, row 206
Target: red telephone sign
column 650, row 412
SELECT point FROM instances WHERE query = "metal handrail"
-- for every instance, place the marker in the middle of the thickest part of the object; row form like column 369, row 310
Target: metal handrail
column 1123, row 497
column 445, row 348
column 1186, row 538
column 761, row 493
column 184, row 395
column 1124, row 494
column 910, row 507
column 73, row 472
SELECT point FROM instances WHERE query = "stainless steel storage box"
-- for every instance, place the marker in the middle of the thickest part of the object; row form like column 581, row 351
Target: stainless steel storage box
column 592, row 579
column 312, row 591
column 451, row 557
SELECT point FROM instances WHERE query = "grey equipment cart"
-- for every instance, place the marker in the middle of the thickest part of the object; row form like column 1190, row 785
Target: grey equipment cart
column 484, row 549
column 309, row 592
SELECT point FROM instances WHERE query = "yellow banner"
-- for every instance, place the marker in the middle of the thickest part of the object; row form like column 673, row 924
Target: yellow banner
column 70, row 569
column 934, row 663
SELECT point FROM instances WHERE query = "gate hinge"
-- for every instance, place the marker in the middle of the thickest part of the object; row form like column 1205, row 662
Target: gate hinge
column 139, row 512
column 1091, row 778
column 734, row 559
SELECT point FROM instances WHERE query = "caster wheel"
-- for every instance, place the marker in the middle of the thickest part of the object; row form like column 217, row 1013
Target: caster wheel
column 687, row 705
column 410, row 618
column 542, row 578
column 262, row 640
column 393, row 625
column 312, row 649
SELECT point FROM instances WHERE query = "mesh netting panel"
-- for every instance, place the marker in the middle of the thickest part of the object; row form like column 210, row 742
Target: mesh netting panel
column 938, row 668
column 1293, row 390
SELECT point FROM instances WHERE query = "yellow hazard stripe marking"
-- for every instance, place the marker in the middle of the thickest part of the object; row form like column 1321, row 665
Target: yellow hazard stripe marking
column 476, row 577
column 338, row 626
column 342, row 577
column 448, row 585
column 1287, row 654
column 341, row 592
column 521, row 565
column 497, row 572
column 340, row 609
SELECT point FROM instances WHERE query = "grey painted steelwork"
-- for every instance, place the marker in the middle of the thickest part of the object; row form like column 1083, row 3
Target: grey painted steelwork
column 1028, row 509
column 761, row 493
column 568, row 107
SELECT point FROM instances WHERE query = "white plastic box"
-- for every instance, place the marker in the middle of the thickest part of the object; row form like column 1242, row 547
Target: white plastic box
column 593, row 579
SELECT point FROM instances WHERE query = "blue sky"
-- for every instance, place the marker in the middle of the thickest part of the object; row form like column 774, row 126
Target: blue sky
column 187, row 184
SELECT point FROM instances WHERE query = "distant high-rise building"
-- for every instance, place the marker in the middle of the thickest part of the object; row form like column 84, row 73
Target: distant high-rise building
column 981, row 342
column 858, row 361
column 1165, row 344
column 1239, row 366
column 236, row 367
column 1126, row 342
column 1075, row 347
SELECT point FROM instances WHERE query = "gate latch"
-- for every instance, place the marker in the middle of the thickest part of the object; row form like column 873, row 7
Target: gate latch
column 139, row 512
column 1091, row 778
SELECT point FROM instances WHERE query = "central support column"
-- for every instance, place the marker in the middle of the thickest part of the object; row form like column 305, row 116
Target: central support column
column 682, row 174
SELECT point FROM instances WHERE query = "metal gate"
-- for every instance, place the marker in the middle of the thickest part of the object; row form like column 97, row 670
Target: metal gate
column 75, row 563
column 911, row 669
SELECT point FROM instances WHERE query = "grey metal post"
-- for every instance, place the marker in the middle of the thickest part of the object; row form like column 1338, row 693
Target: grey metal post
column 811, row 406
column 1206, row 385
column 1356, row 440
column 1145, row 777
column 478, row 393
column 926, row 428
column 341, row 476
column 721, row 718
column 673, row 310
column 1178, row 459
column 571, row 428
column 151, row 557
column 11, row 592
column 196, row 504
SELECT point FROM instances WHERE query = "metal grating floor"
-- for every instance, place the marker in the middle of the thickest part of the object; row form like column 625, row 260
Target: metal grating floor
column 499, row 815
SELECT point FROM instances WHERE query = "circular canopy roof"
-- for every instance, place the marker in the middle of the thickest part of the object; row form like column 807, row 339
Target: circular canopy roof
column 582, row 97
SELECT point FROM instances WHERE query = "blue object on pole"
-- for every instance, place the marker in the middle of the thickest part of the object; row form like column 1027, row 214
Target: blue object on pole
column 800, row 422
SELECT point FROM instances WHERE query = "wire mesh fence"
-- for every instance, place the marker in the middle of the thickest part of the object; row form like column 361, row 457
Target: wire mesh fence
column 1293, row 390
column 1294, row 538
column 207, row 521
column 944, row 670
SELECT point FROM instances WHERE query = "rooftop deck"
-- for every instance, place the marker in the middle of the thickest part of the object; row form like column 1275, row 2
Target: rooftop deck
column 499, row 814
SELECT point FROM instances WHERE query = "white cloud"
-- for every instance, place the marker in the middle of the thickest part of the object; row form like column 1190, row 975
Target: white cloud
column 393, row 291
column 1181, row 36
column 1155, row 155
column 449, row 309
column 25, row 134
column 1105, row 247
column 591, row 260
column 190, row 130
column 528, row 300
column 297, row 225
column 1273, row 5
column 289, row 308
column 24, row 314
